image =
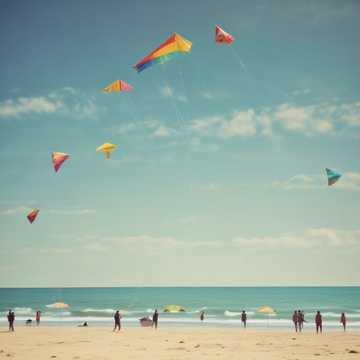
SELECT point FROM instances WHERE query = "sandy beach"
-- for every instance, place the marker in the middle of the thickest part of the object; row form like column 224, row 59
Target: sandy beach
column 175, row 343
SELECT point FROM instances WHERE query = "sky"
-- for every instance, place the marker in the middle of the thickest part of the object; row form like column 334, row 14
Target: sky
column 219, row 178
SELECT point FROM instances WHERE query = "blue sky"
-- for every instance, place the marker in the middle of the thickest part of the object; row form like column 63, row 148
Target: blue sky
column 219, row 175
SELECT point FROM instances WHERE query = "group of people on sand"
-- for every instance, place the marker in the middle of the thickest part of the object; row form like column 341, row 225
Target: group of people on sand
column 298, row 319
column 118, row 317
column 11, row 319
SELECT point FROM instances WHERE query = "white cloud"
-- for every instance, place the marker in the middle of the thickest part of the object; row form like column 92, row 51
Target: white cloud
column 299, row 92
column 161, row 131
column 168, row 92
column 348, row 181
column 15, row 210
column 310, row 238
column 78, row 212
column 242, row 123
column 26, row 105
column 67, row 101
column 26, row 209
column 320, row 119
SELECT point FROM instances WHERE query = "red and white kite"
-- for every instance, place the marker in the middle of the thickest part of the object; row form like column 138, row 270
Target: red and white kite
column 58, row 159
column 222, row 36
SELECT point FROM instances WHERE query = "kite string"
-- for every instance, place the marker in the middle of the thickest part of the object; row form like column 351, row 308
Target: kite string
column 177, row 111
column 267, row 87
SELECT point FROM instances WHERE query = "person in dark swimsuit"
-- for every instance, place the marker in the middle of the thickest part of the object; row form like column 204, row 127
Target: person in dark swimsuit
column 155, row 319
column 117, row 318
column 318, row 322
column 343, row 320
column 243, row 318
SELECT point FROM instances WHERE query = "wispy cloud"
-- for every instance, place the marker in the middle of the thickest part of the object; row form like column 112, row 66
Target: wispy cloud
column 161, row 131
column 67, row 100
column 168, row 92
column 211, row 95
column 349, row 181
column 15, row 210
column 73, row 212
column 27, row 105
column 310, row 238
column 26, row 209
column 320, row 119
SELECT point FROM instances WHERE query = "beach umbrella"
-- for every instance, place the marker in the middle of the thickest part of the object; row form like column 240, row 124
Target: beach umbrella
column 58, row 305
column 266, row 310
column 173, row 308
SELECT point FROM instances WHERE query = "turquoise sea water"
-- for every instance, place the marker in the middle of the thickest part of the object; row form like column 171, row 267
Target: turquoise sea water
column 222, row 305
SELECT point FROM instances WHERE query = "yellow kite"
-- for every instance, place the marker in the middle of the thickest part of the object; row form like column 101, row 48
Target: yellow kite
column 118, row 85
column 107, row 149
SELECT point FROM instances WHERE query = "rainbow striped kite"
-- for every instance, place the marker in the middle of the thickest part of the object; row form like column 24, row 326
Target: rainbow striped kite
column 172, row 47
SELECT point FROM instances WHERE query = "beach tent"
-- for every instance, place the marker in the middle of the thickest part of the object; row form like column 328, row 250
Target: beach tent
column 173, row 308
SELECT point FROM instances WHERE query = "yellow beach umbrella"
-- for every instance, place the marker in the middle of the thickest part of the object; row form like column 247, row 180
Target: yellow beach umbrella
column 58, row 305
column 107, row 149
column 173, row 308
column 266, row 310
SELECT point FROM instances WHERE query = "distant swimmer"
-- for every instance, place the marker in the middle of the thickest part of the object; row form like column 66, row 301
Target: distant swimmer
column 318, row 322
column 37, row 317
column 343, row 320
column 117, row 318
column 295, row 319
column 202, row 315
column 155, row 319
column 243, row 318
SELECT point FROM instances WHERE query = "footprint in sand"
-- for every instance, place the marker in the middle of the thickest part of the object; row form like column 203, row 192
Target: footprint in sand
column 353, row 352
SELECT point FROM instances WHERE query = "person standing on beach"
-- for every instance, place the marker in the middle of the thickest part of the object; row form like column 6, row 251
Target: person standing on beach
column 155, row 318
column 37, row 317
column 244, row 318
column 202, row 315
column 318, row 322
column 295, row 319
column 343, row 320
column 11, row 320
column 117, row 318
column 300, row 320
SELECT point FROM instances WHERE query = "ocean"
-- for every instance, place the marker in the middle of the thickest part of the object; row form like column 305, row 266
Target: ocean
column 222, row 305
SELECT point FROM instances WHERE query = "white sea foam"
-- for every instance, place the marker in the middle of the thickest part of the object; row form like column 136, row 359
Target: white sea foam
column 91, row 310
column 334, row 315
column 234, row 313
